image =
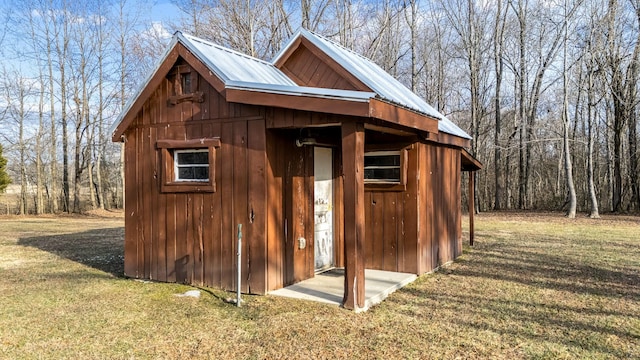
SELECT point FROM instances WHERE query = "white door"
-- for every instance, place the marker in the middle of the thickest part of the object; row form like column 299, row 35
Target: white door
column 323, row 208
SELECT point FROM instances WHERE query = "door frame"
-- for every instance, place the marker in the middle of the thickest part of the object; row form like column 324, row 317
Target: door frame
column 332, row 205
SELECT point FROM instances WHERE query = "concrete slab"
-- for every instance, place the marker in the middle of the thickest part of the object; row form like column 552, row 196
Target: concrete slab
column 328, row 287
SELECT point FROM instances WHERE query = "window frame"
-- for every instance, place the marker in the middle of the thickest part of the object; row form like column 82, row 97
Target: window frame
column 400, row 185
column 168, row 180
column 177, row 165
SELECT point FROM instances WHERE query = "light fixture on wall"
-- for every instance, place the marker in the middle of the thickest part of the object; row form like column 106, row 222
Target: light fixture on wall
column 311, row 142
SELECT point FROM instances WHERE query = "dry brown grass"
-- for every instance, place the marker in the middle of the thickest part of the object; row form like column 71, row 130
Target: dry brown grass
column 533, row 286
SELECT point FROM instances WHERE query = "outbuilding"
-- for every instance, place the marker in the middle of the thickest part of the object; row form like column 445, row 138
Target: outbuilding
column 324, row 158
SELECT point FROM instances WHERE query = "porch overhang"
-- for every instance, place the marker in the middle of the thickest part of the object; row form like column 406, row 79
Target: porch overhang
column 469, row 162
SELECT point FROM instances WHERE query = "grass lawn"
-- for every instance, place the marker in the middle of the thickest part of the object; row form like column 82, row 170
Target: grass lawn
column 533, row 286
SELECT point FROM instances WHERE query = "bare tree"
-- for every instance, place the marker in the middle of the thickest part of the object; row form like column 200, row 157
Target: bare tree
column 568, row 166
column 17, row 91
column 498, row 43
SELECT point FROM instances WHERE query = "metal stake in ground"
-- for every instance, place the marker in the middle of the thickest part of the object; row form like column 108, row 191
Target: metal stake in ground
column 239, row 262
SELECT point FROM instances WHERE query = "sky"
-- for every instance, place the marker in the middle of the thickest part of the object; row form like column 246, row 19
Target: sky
column 163, row 10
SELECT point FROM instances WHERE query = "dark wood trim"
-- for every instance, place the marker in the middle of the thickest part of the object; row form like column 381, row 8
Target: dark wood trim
column 469, row 162
column 197, row 96
column 201, row 68
column 196, row 122
column 290, row 50
column 389, row 130
column 179, row 50
column 154, row 82
column 167, row 183
column 188, row 144
column 447, row 139
column 354, row 214
column 308, row 103
column 395, row 114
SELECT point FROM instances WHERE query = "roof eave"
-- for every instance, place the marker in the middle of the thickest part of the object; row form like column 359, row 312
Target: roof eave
column 346, row 95
column 117, row 130
column 469, row 162
column 288, row 48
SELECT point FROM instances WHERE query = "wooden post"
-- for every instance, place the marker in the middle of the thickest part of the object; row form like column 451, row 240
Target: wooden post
column 354, row 222
column 472, row 207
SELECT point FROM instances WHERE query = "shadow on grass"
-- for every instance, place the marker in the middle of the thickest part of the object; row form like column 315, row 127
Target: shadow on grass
column 552, row 270
column 102, row 249
column 528, row 309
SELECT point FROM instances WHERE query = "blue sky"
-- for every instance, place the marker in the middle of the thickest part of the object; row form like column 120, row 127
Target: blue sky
column 163, row 10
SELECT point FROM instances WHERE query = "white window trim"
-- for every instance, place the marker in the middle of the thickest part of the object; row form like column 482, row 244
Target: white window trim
column 176, row 165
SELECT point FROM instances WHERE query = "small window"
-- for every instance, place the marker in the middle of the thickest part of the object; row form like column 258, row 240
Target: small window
column 191, row 165
column 188, row 165
column 186, row 83
column 383, row 167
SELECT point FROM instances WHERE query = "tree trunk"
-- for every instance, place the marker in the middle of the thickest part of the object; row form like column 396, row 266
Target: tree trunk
column 522, row 161
column 53, row 185
column 39, row 170
column 498, row 63
column 568, row 166
column 594, row 213
column 22, row 146
column 632, row 81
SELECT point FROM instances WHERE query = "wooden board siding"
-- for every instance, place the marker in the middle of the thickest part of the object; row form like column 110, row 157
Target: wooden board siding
column 307, row 69
column 391, row 224
column 443, row 197
column 418, row 229
column 290, row 184
column 190, row 237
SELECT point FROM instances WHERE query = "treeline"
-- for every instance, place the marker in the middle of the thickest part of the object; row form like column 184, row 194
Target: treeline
column 547, row 88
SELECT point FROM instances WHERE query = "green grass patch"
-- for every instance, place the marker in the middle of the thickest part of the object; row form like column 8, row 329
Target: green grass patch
column 534, row 286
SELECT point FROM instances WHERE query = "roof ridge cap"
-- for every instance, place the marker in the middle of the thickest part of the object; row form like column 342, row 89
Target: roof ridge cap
column 339, row 45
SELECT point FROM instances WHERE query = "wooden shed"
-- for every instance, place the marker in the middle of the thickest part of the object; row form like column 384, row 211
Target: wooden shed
column 324, row 158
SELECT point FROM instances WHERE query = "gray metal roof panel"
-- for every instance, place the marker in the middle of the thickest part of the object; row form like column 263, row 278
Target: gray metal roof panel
column 231, row 65
column 295, row 90
column 241, row 71
column 378, row 80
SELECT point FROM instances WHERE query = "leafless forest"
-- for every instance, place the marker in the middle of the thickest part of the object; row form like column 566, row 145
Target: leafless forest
column 547, row 88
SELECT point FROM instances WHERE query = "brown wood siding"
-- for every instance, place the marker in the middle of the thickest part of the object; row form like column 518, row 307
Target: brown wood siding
column 290, row 210
column 275, row 217
column 443, row 197
column 265, row 182
column 306, row 69
column 391, row 224
column 287, row 118
column 418, row 229
column 191, row 237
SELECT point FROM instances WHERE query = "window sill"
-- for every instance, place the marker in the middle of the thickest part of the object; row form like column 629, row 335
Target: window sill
column 184, row 187
column 379, row 186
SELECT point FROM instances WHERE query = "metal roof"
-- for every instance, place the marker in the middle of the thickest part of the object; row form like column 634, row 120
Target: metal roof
column 382, row 83
column 240, row 71
column 231, row 65
column 295, row 90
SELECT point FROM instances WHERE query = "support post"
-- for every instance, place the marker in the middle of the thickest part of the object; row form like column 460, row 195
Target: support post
column 354, row 214
column 472, row 206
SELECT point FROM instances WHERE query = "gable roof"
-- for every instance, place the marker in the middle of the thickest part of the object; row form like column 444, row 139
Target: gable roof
column 369, row 73
column 237, row 71
column 234, row 71
column 229, row 65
